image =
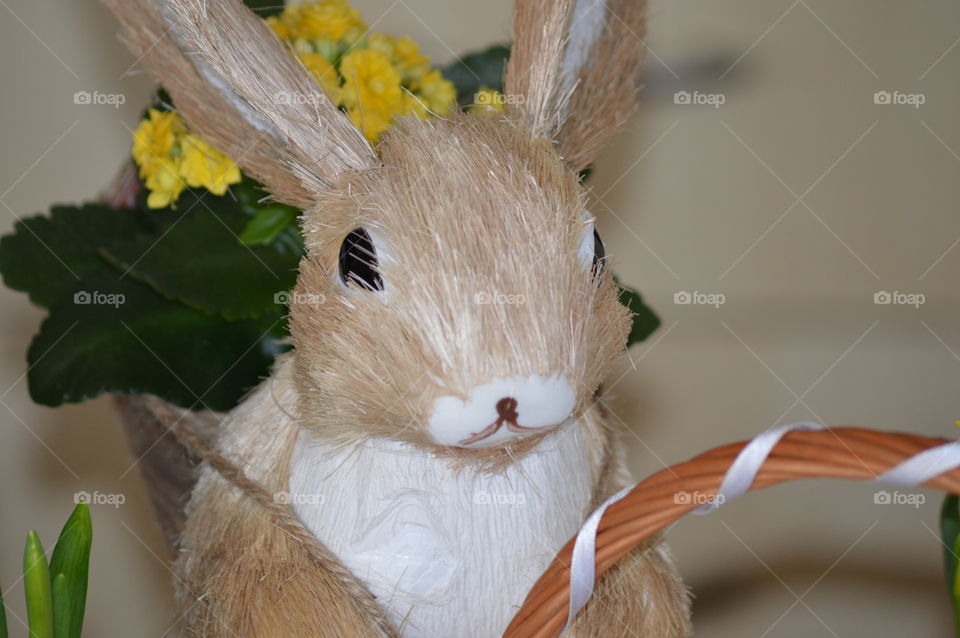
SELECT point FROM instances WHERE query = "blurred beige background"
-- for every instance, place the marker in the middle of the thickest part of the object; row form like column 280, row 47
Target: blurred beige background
column 797, row 199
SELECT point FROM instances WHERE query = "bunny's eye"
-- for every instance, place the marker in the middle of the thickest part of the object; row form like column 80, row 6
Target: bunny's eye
column 599, row 254
column 591, row 250
column 358, row 261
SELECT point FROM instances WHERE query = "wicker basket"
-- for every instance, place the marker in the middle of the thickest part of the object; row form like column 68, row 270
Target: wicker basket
column 843, row 453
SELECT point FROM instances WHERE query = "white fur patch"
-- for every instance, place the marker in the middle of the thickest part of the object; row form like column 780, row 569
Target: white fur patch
column 540, row 402
column 216, row 80
column 449, row 552
column 586, row 26
column 588, row 247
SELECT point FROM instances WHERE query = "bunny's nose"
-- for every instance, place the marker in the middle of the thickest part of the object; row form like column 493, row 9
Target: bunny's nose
column 507, row 409
column 502, row 409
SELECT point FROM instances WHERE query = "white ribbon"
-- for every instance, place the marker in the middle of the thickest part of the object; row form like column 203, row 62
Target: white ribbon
column 583, row 564
column 915, row 471
column 924, row 466
column 744, row 469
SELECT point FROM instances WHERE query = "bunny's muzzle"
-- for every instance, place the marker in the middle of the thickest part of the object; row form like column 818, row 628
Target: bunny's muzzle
column 501, row 410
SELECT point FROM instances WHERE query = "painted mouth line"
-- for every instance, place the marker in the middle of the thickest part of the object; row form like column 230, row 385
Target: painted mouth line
column 507, row 415
column 492, row 429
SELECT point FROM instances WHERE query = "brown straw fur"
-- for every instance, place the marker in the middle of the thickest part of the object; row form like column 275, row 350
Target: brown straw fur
column 534, row 73
column 467, row 207
column 606, row 95
column 279, row 512
column 584, row 117
column 461, row 209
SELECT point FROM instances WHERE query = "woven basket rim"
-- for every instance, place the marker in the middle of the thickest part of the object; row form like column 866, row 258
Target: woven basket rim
column 842, row 453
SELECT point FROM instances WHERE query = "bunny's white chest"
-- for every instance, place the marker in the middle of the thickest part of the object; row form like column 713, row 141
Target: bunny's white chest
column 449, row 552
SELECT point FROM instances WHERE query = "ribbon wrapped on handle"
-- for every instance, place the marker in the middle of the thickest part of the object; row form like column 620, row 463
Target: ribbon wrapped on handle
column 921, row 460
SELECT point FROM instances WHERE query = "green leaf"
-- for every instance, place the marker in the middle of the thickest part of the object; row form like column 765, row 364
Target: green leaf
column 269, row 222
column 92, row 344
column 645, row 321
column 955, row 590
column 264, row 8
column 51, row 257
column 950, row 535
column 949, row 531
column 61, row 607
column 36, row 586
column 3, row 618
column 146, row 345
column 477, row 70
column 249, row 194
column 71, row 560
column 201, row 262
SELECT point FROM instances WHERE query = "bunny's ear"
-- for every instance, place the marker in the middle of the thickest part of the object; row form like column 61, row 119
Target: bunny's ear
column 240, row 89
column 574, row 71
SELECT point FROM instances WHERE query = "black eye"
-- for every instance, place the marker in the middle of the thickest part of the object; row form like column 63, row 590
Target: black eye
column 358, row 261
column 598, row 254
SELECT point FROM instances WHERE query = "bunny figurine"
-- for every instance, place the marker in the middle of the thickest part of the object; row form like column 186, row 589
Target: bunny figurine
column 437, row 425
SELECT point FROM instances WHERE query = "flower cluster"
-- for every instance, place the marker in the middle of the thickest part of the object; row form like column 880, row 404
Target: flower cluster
column 375, row 78
column 170, row 158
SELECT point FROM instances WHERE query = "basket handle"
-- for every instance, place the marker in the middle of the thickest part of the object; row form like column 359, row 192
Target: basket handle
column 651, row 505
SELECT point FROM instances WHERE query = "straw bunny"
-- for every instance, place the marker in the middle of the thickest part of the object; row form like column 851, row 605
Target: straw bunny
column 437, row 424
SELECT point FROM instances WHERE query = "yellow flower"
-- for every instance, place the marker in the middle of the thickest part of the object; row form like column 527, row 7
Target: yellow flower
column 302, row 45
column 378, row 78
column 372, row 79
column 282, row 29
column 438, row 93
column 154, row 139
column 170, row 159
column 201, row 165
column 371, row 90
column 382, row 42
column 326, row 19
column 324, row 73
column 408, row 53
column 164, row 184
column 415, row 106
column 369, row 79
column 371, row 122
column 403, row 53
column 487, row 101
column 155, row 151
